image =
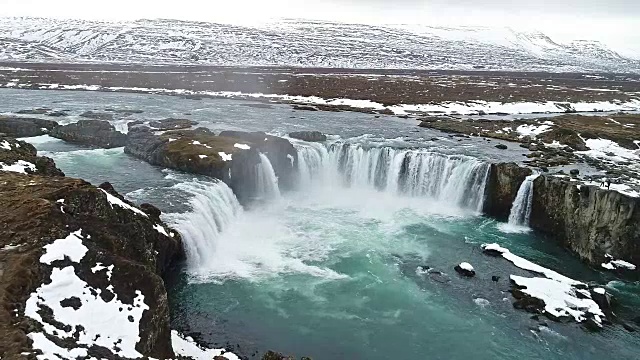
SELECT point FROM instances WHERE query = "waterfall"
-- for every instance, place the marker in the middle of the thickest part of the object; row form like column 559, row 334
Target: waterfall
column 455, row 179
column 267, row 181
column 521, row 208
column 214, row 207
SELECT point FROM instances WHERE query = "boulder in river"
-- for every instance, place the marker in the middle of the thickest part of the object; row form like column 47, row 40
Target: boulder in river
column 16, row 126
column 172, row 124
column 465, row 269
column 95, row 133
column 310, row 136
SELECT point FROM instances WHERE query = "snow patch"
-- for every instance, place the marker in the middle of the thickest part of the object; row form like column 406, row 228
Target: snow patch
column 20, row 166
column 70, row 247
column 186, row 346
column 107, row 324
column 242, row 146
column 466, row 266
column 532, row 130
column 115, row 201
column 225, row 156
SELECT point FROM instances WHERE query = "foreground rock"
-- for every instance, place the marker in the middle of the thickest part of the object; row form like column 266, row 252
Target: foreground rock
column 81, row 271
column 311, row 136
column 21, row 157
column 94, row 133
column 25, row 127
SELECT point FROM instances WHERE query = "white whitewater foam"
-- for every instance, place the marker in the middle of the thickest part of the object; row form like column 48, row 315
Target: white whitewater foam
column 521, row 207
column 455, row 179
column 267, row 181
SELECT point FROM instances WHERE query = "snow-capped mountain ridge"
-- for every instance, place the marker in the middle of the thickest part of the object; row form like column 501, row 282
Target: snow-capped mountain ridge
column 302, row 43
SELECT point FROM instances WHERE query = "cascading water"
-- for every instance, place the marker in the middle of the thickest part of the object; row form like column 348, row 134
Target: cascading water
column 267, row 181
column 521, row 208
column 214, row 207
column 456, row 179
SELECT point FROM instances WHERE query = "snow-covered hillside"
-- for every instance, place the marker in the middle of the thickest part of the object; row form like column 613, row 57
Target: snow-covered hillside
column 302, row 43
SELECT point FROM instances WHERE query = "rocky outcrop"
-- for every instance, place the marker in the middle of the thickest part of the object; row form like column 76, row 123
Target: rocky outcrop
column 66, row 244
column 310, row 136
column 590, row 221
column 97, row 115
column 281, row 153
column 502, row 188
column 20, row 156
column 25, row 127
column 172, row 124
column 200, row 151
column 96, row 133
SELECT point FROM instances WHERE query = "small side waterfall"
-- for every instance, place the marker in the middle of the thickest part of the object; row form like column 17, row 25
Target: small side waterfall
column 457, row 179
column 267, row 181
column 214, row 207
column 521, row 208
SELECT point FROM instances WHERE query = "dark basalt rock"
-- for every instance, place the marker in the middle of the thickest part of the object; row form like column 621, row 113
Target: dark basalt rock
column 590, row 221
column 464, row 272
column 57, row 114
column 94, row 133
column 97, row 115
column 501, row 146
column 38, row 111
column 20, row 150
column 33, row 215
column 310, row 136
column 272, row 355
column 172, row 124
column 25, row 127
column 502, row 187
column 281, row 153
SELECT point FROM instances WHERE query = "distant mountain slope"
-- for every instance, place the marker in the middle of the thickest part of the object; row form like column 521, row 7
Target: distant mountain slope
column 302, row 43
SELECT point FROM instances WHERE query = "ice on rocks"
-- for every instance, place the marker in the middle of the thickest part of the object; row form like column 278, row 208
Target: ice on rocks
column 160, row 229
column 466, row 266
column 559, row 297
column 116, row 201
column 614, row 264
column 559, row 293
column 202, row 156
column 185, row 346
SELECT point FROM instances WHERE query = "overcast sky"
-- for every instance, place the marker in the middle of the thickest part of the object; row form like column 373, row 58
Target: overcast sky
column 614, row 21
